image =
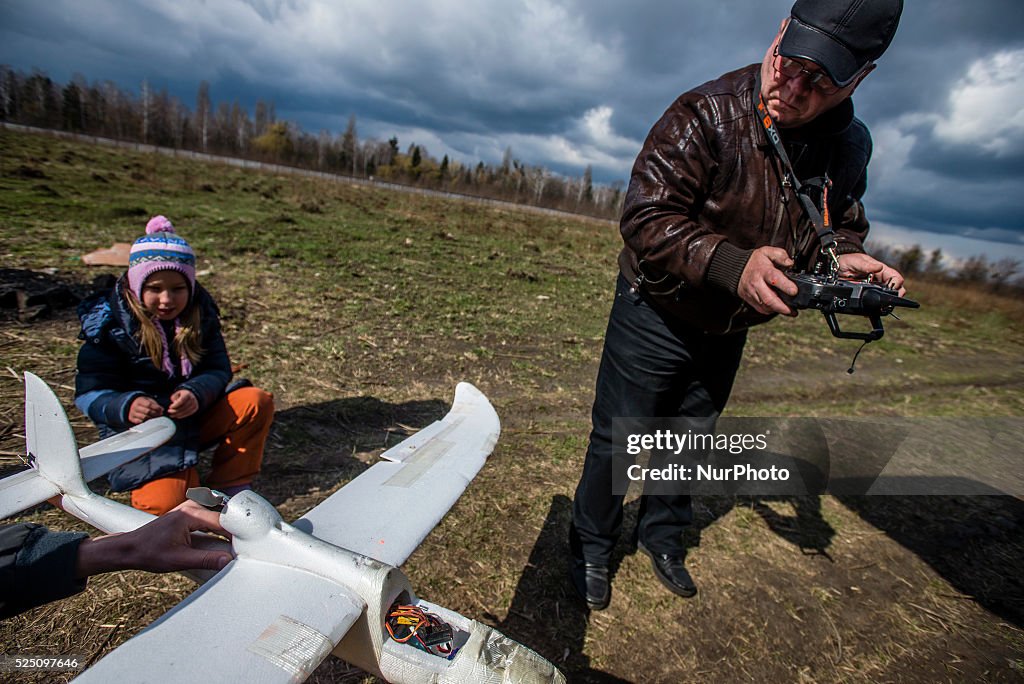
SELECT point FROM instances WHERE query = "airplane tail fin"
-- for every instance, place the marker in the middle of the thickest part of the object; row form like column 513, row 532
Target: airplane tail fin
column 58, row 467
column 49, row 439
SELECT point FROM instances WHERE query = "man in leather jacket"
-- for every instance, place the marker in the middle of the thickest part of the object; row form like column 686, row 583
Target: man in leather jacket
column 711, row 224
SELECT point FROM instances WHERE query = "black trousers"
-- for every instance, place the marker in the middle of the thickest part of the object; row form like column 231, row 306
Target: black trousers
column 651, row 366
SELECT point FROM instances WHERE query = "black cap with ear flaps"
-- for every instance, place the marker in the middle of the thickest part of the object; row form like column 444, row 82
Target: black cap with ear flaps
column 842, row 36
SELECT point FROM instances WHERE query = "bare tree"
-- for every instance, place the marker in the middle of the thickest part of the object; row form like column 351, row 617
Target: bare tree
column 350, row 143
column 586, row 189
column 145, row 110
column 203, row 112
column 7, row 81
column 323, row 146
column 934, row 266
column 974, row 270
column 72, row 108
column 263, row 117
column 240, row 125
column 910, row 260
column 538, row 179
column 1001, row 273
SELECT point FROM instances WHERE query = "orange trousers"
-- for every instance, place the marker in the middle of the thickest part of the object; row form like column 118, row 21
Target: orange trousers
column 238, row 424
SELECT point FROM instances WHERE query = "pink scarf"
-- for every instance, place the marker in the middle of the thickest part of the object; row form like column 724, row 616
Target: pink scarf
column 186, row 365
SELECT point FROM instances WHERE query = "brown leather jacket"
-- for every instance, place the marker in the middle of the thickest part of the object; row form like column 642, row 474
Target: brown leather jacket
column 706, row 190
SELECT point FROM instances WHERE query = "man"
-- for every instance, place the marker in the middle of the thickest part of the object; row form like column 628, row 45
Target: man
column 712, row 221
column 38, row 566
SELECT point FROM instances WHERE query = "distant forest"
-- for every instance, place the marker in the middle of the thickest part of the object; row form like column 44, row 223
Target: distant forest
column 157, row 118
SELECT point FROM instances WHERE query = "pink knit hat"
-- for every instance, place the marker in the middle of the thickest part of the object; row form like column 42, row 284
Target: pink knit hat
column 160, row 249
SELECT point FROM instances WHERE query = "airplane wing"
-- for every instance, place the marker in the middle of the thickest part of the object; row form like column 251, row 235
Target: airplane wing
column 255, row 620
column 289, row 599
column 100, row 458
column 24, row 490
column 390, row 508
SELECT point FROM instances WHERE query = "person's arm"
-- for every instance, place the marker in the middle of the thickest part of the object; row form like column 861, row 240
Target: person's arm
column 162, row 545
column 671, row 178
column 852, row 225
column 764, row 275
column 38, row 566
column 852, row 228
column 97, row 384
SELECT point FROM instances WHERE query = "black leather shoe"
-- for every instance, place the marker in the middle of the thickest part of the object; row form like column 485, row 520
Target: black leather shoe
column 591, row 583
column 671, row 572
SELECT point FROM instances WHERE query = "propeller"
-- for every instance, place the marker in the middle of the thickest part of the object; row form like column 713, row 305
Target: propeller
column 210, row 498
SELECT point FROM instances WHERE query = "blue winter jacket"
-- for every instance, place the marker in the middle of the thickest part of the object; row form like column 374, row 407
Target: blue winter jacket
column 113, row 370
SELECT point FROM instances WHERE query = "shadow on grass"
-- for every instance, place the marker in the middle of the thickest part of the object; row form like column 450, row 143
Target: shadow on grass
column 545, row 613
column 973, row 542
column 319, row 445
column 976, row 543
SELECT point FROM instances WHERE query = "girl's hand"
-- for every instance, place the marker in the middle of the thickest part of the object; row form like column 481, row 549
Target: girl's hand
column 142, row 409
column 183, row 404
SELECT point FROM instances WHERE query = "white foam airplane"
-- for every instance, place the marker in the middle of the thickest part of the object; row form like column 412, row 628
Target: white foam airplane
column 293, row 593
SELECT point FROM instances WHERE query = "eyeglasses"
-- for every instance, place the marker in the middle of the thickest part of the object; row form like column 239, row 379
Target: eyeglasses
column 790, row 68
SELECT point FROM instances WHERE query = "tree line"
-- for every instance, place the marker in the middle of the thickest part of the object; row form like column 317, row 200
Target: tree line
column 997, row 275
column 155, row 117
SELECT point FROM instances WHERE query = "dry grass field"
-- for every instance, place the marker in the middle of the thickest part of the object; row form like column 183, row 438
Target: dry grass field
column 360, row 309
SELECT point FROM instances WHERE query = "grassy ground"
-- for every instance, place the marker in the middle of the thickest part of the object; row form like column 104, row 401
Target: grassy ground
column 361, row 309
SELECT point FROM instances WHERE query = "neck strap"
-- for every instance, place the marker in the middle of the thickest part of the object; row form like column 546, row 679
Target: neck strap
column 821, row 220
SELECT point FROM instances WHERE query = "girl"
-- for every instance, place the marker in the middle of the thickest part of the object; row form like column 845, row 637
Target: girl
column 153, row 347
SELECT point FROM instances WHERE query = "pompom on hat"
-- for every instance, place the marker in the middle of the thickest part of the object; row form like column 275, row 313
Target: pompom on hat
column 160, row 249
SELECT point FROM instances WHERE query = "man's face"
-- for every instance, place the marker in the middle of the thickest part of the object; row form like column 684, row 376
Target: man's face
column 795, row 101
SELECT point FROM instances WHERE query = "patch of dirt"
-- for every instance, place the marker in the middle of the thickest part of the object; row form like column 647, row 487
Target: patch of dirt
column 878, row 379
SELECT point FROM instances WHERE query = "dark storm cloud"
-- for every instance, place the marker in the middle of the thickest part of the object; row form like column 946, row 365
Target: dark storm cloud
column 564, row 83
column 935, row 42
column 966, row 163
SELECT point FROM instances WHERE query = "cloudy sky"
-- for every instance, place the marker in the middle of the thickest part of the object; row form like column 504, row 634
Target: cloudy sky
column 567, row 83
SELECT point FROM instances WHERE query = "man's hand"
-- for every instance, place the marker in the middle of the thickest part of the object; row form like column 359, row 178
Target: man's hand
column 183, row 404
column 858, row 266
column 762, row 277
column 142, row 409
column 162, row 545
